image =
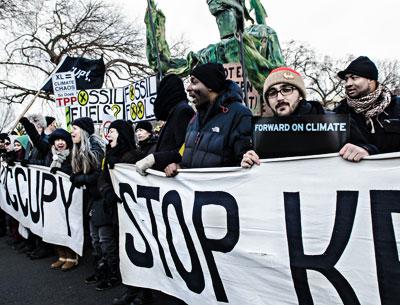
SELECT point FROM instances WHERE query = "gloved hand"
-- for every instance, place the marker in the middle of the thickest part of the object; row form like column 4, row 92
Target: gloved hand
column 111, row 198
column 72, row 177
column 24, row 162
column 24, row 121
column 144, row 164
column 54, row 170
column 78, row 180
column 112, row 160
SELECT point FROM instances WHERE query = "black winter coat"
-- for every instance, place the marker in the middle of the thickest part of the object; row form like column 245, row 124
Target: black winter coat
column 387, row 128
column 308, row 107
column 220, row 135
column 172, row 136
column 105, row 210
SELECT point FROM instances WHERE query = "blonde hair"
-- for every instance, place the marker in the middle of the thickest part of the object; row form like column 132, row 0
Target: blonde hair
column 83, row 159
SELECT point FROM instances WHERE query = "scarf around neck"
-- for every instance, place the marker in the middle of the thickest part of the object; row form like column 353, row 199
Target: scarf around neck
column 372, row 104
column 58, row 157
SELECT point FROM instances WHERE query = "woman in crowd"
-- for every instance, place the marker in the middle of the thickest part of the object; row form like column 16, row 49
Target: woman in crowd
column 61, row 145
column 87, row 155
column 145, row 137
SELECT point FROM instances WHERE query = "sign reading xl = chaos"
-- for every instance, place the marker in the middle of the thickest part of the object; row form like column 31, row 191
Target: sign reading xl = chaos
column 133, row 102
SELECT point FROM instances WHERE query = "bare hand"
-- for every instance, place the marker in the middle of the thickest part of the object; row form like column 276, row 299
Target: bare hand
column 249, row 159
column 354, row 153
column 172, row 169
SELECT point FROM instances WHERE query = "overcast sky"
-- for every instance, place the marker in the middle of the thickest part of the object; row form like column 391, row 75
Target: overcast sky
column 336, row 28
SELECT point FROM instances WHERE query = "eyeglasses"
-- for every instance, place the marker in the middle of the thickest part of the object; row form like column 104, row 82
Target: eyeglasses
column 7, row 143
column 284, row 91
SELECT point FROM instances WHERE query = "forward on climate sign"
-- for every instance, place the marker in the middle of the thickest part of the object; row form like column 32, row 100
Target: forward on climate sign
column 299, row 231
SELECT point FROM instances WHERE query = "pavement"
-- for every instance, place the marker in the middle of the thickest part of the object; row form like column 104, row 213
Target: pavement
column 24, row 281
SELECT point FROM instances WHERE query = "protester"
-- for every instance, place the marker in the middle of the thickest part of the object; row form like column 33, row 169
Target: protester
column 220, row 132
column 373, row 108
column 38, row 128
column 61, row 145
column 122, row 141
column 121, row 148
column 87, row 156
column 285, row 94
column 146, row 140
column 171, row 106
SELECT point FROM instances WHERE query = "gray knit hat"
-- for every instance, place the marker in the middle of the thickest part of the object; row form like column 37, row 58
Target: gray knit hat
column 285, row 75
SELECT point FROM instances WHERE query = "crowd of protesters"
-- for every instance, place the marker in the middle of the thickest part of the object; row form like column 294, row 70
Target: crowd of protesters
column 218, row 133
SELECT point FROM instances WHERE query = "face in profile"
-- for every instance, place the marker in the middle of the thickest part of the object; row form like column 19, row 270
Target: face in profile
column 283, row 99
column 112, row 137
column 198, row 92
column 76, row 134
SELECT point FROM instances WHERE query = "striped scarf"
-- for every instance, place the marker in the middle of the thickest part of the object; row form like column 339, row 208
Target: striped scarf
column 372, row 104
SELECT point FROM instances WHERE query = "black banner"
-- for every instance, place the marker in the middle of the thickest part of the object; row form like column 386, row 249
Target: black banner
column 300, row 135
column 89, row 73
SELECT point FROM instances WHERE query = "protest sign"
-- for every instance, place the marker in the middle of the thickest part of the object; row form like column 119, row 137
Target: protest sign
column 233, row 71
column 139, row 105
column 64, row 88
column 89, row 73
column 300, row 135
column 99, row 104
column 133, row 102
column 309, row 231
column 44, row 203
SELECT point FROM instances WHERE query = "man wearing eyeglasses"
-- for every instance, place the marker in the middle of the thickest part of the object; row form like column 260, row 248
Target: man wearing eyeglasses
column 374, row 111
column 285, row 94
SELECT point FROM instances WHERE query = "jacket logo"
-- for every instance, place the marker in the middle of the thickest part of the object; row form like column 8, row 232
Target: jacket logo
column 215, row 129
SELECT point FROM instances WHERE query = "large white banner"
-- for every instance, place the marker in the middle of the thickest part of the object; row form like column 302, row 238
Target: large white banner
column 44, row 203
column 305, row 231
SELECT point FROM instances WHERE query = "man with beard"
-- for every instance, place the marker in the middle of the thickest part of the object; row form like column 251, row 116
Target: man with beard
column 285, row 93
column 374, row 111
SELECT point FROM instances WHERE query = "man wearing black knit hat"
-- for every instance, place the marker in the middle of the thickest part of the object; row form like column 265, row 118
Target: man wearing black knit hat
column 374, row 111
column 221, row 132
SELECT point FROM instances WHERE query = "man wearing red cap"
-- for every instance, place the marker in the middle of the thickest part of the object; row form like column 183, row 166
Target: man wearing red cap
column 285, row 94
column 374, row 111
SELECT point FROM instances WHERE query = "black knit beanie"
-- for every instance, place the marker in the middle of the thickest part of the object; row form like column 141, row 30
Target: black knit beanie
column 170, row 92
column 85, row 123
column 60, row 133
column 126, row 135
column 3, row 136
column 49, row 120
column 361, row 66
column 211, row 75
column 145, row 125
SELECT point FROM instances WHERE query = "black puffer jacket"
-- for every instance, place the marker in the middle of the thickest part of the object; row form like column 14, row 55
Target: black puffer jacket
column 387, row 128
column 220, row 135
